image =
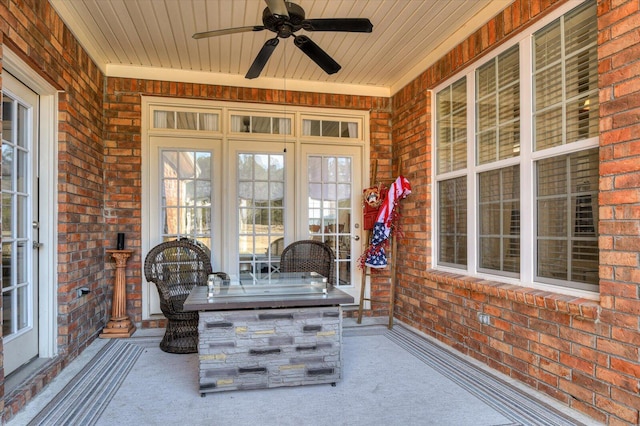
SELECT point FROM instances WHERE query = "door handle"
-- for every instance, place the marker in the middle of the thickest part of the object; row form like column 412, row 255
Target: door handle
column 356, row 237
column 37, row 245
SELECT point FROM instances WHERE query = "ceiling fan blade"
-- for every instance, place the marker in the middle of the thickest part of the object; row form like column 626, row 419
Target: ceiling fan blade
column 262, row 58
column 316, row 54
column 228, row 31
column 351, row 25
column 277, row 7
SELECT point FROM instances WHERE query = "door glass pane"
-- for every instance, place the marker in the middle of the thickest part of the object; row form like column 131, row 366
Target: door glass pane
column 329, row 209
column 7, row 167
column 16, row 225
column 260, row 212
column 7, row 216
column 21, row 170
column 6, row 268
column 22, row 320
column 7, row 323
column 186, row 195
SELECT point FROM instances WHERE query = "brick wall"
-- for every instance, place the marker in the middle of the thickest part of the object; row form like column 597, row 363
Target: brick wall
column 617, row 364
column 31, row 29
column 584, row 354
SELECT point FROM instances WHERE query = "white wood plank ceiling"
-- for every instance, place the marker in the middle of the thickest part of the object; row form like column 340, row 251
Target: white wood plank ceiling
column 153, row 39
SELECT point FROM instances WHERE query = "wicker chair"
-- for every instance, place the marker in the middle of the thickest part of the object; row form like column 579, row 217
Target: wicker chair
column 175, row 267
column 309, row 256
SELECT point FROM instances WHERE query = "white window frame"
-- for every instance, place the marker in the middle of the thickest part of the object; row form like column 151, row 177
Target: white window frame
column 526, row 160
column 229, row 143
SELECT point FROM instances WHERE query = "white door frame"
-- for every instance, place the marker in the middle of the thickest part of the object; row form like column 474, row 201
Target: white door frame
column 48, row 192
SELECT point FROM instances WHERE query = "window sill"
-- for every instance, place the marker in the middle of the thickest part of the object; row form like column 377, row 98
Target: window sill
column 574, row 306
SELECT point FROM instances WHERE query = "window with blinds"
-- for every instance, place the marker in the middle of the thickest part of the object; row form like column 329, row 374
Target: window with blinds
column 565, row 79
column 498, row 108
column 567, row 217
column 499, row 220
column 519, row 202
column 451, row 127
column 260, row 124
column 452, row 222
column 186, row 120
column 330, row 128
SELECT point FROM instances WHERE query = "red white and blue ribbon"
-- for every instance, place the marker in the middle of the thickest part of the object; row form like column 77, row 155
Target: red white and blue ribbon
column 375, row 255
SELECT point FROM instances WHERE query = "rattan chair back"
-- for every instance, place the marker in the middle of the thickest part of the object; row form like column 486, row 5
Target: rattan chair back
column 309, row 256
column 175, row 267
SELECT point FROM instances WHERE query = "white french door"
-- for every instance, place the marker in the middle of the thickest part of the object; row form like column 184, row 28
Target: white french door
column 261, row 205
column 247, row 180
column 330, row 207
column 185, row 175
column 19, row 223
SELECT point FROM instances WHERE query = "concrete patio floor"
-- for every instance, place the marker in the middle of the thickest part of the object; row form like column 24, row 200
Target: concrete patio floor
column 390, row 377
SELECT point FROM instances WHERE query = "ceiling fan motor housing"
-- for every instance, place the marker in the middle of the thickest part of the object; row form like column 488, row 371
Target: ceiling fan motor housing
column 282, row 25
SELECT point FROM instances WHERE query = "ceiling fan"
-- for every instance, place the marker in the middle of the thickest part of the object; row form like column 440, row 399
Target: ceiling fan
column 286, row 18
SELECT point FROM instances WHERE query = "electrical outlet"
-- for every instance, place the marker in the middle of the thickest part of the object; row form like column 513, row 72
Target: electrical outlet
column 484, row 318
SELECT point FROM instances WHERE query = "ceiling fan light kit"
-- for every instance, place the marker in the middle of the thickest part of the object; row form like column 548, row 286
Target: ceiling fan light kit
column 285, row 19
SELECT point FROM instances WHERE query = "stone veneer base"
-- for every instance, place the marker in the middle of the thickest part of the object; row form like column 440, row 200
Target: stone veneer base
column 267, row 348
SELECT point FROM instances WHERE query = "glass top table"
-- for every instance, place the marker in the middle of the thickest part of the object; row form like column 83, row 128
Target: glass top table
column 276, row 290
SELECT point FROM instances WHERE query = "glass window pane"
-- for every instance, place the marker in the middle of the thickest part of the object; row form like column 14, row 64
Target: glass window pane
column 7, row 216
column 203, row 193
column 203, row 165
column 8, row 113
column 261, row 167
column 329, row 172
column 344, row 169
column 170, row 221
column 498, row 108
column 7, row 166
column 186, row 194
column 548, row 129
column 169, row 164
column 163, row 120
column 314, row 170
column 499, row 219
column 261, row 124
column 311, row 127
column 22, row 227
column 186, row 120
column 7, row 272
column 245, row 166
column 451, row 123
column 567, row 217
column 276, row 170
column 276, row 190
column 202, row 221
column 23, row 126
column 331, row 128
column 452, row 221
column 566, row 79
column 209, row 122
column 7, row 322
column 186, row 165
column 261, row 185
